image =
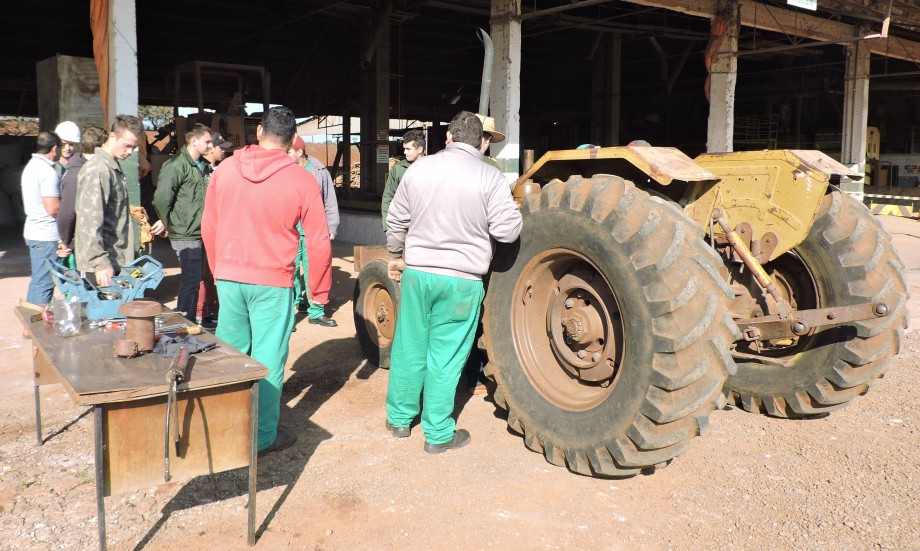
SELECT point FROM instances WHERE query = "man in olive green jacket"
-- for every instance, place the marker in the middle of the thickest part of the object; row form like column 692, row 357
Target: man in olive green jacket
column 414, row 148
column 179, row 201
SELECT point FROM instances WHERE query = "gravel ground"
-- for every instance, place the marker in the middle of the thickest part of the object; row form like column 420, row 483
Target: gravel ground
column 845, row 481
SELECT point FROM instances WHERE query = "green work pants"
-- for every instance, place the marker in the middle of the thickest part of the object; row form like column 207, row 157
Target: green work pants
column 301, row 288
column 257, row 320
column 434, row 333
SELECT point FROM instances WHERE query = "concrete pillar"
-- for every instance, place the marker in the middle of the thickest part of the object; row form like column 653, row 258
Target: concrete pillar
column 58, row 98
column 605, row 92
column 122, row 60
column 855, row 111
column 375, row 111
column 723, row 76
column 505, row 103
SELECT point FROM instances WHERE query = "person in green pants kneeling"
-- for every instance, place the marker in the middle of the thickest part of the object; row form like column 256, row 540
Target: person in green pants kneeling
column 439, row 229
column 254, row 202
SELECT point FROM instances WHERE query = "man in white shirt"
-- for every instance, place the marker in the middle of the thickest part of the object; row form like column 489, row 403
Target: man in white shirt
column 41, row 198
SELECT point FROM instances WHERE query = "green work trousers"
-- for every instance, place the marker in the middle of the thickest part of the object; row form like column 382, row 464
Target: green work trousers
column 257, row 320
column 434, row 333
column 301, row 289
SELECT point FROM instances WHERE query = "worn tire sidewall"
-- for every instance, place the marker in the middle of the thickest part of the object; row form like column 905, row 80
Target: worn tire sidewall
column 615, row 414
column 374, row 272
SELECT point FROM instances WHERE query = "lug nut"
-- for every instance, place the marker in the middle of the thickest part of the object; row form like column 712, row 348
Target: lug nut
column 569, row 303
column 581, row 354
column 596, row 356
column 881, row 309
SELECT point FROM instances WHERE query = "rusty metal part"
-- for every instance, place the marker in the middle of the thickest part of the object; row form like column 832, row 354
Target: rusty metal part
column 567, row 316
column 141, row 324
column 378, row 306
column 524, row 188
column 364, row 254
column 763, row 248
column 125, row 348
column 774, row 327
column 763, row 279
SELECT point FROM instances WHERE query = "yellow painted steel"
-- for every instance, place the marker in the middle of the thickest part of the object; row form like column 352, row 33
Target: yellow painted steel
column 775, row 191
column 661, row 164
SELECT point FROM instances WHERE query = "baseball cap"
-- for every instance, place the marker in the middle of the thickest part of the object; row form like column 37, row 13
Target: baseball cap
column 218, row 141
column 298, row 143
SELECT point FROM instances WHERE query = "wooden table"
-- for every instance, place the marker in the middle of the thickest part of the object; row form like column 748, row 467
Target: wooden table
column 218, row 409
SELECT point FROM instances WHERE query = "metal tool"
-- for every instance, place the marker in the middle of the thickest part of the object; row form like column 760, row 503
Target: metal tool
column 179, row 329
column 103, row 302
column 174, row 376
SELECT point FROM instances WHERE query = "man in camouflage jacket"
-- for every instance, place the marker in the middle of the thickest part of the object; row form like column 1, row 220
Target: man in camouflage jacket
column 103, row 238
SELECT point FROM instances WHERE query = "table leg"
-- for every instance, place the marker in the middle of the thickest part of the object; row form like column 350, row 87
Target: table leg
column 253, row 460
column 100, row 475
column 38, row 414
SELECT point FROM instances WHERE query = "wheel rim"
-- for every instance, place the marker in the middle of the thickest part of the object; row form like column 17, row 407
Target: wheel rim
column 567, row 329
column 798, row 286
column 380, row 314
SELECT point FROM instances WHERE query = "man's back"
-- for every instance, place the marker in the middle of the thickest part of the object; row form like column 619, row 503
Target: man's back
column 260, row 196
column 447, row 208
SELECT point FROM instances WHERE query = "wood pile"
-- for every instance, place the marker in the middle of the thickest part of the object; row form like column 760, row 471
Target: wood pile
column 19, row 126
column 354, row 175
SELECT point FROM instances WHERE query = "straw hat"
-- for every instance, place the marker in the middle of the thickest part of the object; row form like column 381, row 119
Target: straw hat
column 488, row 125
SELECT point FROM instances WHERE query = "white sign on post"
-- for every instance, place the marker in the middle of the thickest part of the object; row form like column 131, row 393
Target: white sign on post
column 804, row 4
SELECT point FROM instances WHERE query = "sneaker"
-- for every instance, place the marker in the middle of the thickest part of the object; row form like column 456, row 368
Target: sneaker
column 461, row 438
column 209, row 323
column 284, row 440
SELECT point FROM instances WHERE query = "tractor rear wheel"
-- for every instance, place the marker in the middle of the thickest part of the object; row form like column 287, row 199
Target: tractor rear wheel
column 606, row 328
column 376, row 304
column 846, row 259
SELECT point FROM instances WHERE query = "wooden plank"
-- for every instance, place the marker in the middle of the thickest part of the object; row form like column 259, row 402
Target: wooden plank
column 45, row 374
column 214, row 437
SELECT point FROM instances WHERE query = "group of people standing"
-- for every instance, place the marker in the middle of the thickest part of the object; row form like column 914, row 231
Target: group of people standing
column 248, row 219
column 76, row 204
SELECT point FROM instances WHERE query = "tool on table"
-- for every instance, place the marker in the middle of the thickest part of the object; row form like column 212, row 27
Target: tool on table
column 174, row 376
column 104, row 302
column 179, row 329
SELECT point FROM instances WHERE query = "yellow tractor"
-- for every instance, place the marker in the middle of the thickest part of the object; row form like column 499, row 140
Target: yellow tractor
column 648, row 289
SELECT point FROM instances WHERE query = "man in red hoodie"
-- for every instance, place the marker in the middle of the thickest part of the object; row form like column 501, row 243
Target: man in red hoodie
column 249, row 227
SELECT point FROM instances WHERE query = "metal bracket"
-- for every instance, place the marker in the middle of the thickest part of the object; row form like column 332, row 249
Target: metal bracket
column 803, row 321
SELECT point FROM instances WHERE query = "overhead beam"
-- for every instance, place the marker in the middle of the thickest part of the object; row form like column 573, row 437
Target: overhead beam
column 791, row 23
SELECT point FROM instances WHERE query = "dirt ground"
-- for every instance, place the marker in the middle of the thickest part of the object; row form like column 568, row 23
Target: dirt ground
column 846, row 481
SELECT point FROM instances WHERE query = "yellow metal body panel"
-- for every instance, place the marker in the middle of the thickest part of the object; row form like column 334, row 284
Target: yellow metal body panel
column 661, row 164
column 775, row 191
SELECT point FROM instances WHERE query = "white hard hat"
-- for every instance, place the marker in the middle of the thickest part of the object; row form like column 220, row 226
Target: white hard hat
column 68, row 131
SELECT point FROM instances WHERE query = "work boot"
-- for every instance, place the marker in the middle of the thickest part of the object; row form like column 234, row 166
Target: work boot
column 284, row 440
column 461, row 438
column 399, row 432
column 324, row 321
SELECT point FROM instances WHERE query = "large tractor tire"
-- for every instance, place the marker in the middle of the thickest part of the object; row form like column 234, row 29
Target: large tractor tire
column 607, row 328
column 846, row 259
column 376, row 304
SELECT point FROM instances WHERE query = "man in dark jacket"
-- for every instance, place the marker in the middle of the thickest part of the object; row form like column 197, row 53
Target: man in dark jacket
column 179, row 201
column 92, row 138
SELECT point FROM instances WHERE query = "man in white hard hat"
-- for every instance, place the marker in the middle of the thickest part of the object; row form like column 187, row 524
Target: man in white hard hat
column 70, row 136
